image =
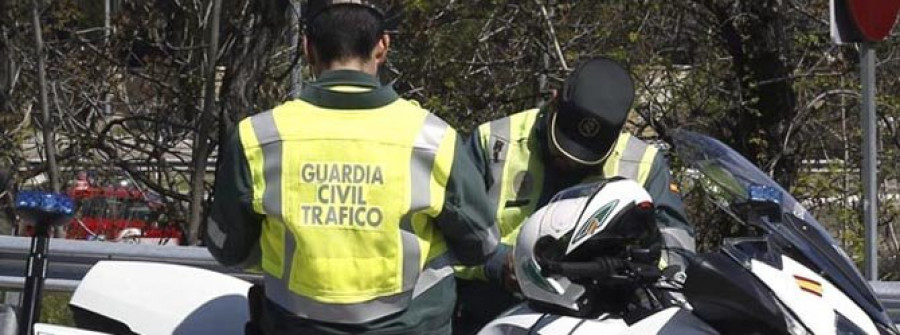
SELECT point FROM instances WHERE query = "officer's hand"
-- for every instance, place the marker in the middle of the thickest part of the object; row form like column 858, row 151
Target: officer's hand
column 510, row 283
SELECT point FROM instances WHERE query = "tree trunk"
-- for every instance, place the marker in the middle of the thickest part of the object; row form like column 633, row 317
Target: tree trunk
column 204, row 129
column 297, row 70
column 47, row 126
column 6, row 64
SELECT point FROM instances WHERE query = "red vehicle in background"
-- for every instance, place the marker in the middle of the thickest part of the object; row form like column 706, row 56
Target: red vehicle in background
column 119, row 214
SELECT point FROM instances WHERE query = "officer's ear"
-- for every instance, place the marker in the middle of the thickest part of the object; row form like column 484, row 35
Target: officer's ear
column 306, row 50
column 381, row 49
column 309, row 53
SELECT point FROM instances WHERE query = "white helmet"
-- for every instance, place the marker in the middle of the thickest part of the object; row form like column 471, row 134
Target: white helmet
column 590, row 240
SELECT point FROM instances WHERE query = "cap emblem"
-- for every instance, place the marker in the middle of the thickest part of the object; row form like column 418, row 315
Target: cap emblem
column 589, row 127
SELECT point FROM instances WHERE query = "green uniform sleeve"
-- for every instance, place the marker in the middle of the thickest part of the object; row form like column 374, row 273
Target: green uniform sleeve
column 493, row 266
column 678, row 235
column 481, row 163
column 233, row 228
column 466, row 220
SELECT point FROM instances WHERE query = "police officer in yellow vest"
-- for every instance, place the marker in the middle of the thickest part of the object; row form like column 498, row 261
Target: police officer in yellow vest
column 353, row 202
column 529, row 156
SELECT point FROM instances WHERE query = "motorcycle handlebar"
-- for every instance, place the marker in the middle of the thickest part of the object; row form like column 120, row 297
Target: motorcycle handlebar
column 597, row 268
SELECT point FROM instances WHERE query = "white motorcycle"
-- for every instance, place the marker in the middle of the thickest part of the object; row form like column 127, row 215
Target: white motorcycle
column 587, row 263
column 789, row 278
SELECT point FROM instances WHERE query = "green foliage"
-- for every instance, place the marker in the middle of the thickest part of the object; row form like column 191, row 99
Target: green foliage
column 55, row 309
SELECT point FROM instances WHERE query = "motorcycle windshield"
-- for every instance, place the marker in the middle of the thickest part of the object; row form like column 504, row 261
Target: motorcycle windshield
column 727, row 177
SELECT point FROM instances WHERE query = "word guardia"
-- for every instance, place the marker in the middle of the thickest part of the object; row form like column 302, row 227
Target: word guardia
column 340, row 198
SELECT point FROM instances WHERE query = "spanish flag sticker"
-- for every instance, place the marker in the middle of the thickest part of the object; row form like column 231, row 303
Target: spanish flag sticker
column 809, row 285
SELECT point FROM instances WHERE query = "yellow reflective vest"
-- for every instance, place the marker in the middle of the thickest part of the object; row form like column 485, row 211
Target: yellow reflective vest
column 514, row 162
column 348, row 197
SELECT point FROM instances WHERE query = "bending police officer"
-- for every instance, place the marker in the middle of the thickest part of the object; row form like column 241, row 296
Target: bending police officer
column 527, row 157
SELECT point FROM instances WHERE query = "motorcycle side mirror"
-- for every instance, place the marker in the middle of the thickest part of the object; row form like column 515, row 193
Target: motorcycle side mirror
column 762, row 203
column 44, row 209
column 766, row 201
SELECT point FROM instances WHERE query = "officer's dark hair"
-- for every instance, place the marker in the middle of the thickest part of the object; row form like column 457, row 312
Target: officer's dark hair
column 343, row 32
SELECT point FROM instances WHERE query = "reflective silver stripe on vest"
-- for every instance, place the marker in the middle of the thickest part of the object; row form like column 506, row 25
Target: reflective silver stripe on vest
column 421, row 164
column 411, row 255
column 270, row 140
column 435, row 271
column 308, row 308
column 498, row 148
column 630, row 163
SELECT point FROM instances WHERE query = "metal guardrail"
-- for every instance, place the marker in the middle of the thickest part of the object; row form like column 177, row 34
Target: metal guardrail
column 70, row 260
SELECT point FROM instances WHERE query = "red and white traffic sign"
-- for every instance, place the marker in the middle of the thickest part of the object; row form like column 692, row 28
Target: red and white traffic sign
column 855, row 21
column 874, row 18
